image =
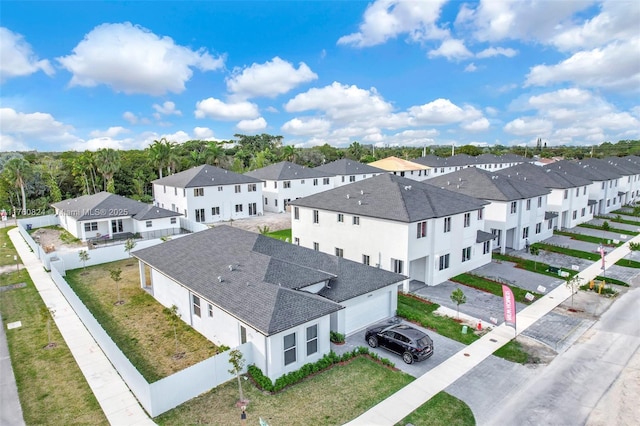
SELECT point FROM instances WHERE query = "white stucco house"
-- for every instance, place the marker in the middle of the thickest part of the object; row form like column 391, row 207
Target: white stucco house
column 397, row 224
column 630, row 167
column 517, row 211
column 347, row 171
column 286, row 181
column 107, row 216
column 235, row 286
column 569, row 197
column 209, row 194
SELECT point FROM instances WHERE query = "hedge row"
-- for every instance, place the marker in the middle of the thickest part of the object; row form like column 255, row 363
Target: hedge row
column 306, row 370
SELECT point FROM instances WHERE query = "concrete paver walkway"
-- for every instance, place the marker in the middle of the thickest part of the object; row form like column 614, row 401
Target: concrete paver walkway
column 406, row 400
column 116, row 400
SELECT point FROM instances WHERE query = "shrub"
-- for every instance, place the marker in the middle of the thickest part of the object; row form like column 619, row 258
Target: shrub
column 336, row 337
column 634, row 246
column 605, row 226
column 261, row 380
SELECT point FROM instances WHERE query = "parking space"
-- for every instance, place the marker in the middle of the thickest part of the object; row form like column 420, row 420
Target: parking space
column 508, row 273
column 443, row 348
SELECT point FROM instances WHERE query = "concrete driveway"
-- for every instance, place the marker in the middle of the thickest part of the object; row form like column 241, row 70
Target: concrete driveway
column 443, row 348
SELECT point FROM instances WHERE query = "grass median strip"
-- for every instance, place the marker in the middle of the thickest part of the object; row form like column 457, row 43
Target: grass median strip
column 441, row 410
column 140, row 327
column 493, row 287
column 585, row 238
column 594, row 257
column 609, row 229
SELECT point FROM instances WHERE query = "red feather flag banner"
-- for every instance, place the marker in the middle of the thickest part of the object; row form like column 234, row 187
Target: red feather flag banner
column 509, row 306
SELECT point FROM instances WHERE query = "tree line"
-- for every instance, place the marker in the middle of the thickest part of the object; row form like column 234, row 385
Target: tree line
column 31, row 181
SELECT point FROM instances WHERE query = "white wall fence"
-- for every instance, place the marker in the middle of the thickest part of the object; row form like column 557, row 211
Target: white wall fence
column 192, row 226
column 158, row 397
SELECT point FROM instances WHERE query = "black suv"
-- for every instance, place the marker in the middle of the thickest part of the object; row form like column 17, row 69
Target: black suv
column 411, row 343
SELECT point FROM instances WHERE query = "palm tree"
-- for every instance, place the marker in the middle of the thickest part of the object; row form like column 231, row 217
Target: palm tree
column 17, row 170
column 213, row 153
column 108, row 164
column 159, row 153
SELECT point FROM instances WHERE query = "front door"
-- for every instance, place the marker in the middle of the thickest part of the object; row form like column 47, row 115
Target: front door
column 253, row 210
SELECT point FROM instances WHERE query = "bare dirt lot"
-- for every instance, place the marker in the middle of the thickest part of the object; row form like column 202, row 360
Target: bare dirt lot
column 275, row 222
column 50, row 240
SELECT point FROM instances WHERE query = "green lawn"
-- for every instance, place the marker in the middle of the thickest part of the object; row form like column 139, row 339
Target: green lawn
column 332, row 397
column 492, row 287
column 594, row 257
column 140, row 327
column 620, row 220
column 7, row 251
column 611, row 229
column 586, row 238
column 530, row 265
column 51, row 386
column 441, row 410
column 284, row 235
column 513, row 352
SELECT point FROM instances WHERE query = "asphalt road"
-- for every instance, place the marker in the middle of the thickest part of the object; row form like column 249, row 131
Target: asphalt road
column 568, row 390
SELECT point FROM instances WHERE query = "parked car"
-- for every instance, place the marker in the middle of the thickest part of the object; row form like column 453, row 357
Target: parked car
column 411, row 343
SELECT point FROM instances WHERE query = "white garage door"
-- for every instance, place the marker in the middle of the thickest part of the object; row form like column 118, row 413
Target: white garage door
column 368, row 311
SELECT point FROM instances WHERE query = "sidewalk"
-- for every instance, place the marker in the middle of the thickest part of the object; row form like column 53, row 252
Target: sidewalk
column 408, row 399
column 10, row 409
column 117, row 402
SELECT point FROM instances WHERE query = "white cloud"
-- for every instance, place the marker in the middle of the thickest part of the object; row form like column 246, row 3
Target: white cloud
column 167, row 108
column 203, row 133
column 109, row 133
column 252, row 125
column 529, row 126
column 471, row 68
column 451, row 49
column 613, row 67
column 23, row 128
column 443, row 111
column 131, row 59
column 497, row 51
column 98, row 143
column 130, row 117
column 306, row 126
column 341, row 102
column 270, row 79
column 219, row 110
column 17, row 58
column 387, row 19
column 476, row 125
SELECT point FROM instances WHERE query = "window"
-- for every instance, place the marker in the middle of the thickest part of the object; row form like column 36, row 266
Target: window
column 238, row 208
column 173, row 220
column 290, row 349
column 266, row 201
column 316, row 216
column 397, row 266
column 514, row 207
column 195, row 300
column 575, row 214
column 315, row 182
column 148, row 224
column 447, row 224
column 243, row 335
column 302, row 182
column 199, row 215
column 198, row 192
column 296, row 213
column 275, row 202
column 538, row 227
column 352, row 178
column 486, row 247
column 602, row 185
column 296, row 241
column 275, row 184
column 480, row 214
column 164, row 188
column 529, row 204
column 286, row 184
column 316, row 246
column 366, row 259
column 220, row 189
column 539, row 202
column 238, row 189
column 525, row 232
column 577, row 192
column 467, row 220
column 184, row 192
column 566, row 193
column 117, row 226
column 342, row 178
column 175, row 191
column 325, row 181
column 466, row 254
column 444, row 262
column 356, row 220
column 421, row 229
column 550, row 225
column 583, row 212
column 584, row 190
column 210, row 310
column 215, row 211
column 339, row 252
column 251, row 187
column 90, row 226
column 340, row 217
column 312, row 340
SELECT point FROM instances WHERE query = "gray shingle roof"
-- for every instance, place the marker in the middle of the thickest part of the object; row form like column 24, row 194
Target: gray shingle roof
column 285, row 170
column 546, row 177
column 488, row 186
column 628, row 164
column 431, row 161
column 345, row 166
column 392, row 197
column 582, row 170
column 607, row 167
column 104, row 205
column 262, row 288
column 204, row 175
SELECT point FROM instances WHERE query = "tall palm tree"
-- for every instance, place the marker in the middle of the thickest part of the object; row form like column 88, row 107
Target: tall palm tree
column 159, row 153
column 17, row 170
column 213, row 153
column 108, row 164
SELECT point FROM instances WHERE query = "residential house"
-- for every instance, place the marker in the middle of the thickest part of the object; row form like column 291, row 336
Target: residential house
column 235, row 286
column 285, row 181
column 348, row 171
column 209, row 194
column 404, row 168
column 517, row 210
column 630, row 166
column 569, row 197
column 108, row 216
column 398, row 224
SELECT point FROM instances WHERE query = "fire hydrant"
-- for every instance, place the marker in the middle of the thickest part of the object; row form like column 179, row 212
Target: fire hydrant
column 479, row 325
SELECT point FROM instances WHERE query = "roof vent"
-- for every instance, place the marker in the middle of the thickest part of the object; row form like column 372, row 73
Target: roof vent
column 347, row 196
column 219, row 279
column 448, row 183
column 231, row 267
column 362, row 192
column 408, row 187
column 359, row 202
column 205, row 170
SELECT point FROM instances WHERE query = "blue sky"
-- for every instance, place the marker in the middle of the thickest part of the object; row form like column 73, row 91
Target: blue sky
column 86, row 75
